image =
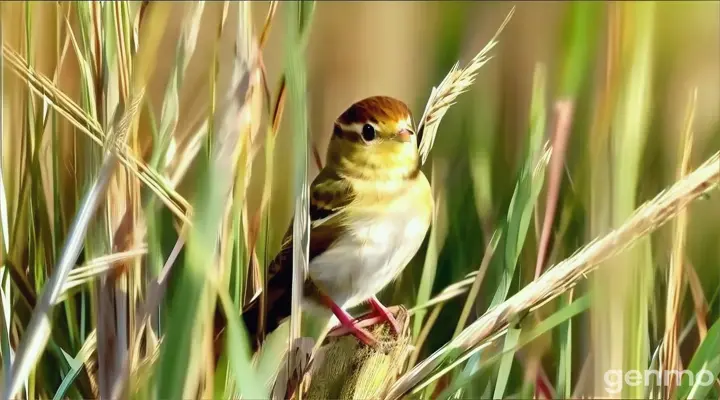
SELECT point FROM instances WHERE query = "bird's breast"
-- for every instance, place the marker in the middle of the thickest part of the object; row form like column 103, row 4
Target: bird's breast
column 379, row 241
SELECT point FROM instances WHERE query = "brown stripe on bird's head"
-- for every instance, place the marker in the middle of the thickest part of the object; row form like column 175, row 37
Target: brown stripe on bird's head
column 375, row 109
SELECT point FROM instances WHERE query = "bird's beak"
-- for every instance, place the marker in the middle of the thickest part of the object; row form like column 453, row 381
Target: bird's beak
column 404, row 135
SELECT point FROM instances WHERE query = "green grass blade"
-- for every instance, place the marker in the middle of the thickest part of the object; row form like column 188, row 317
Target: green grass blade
column 526, row 192
column 556, row 319
column 564, row 376
column 522, row 204
column 579, row 37
column 626, row 293
column 705, row 362
column 184, row 312
column 511, row 339
column 246, row 380
column 429, row 269
column 299, row 17
column 5, row 306
column 75, row 367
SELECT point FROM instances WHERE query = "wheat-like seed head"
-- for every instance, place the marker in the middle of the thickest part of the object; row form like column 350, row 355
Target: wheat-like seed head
column 456, row 82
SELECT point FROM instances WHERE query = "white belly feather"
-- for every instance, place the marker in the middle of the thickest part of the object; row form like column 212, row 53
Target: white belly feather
column 370, row 255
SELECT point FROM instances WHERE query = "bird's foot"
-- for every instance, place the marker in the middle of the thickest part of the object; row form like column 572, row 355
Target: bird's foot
column 357, row 329
column 367, row 320
column 348, row 325
column 385, row 314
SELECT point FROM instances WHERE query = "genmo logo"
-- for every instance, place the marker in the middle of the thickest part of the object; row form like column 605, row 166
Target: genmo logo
column 615, row 379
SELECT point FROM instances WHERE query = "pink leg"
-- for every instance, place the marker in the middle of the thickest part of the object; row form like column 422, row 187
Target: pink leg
column 348, row 323
column 384, row 313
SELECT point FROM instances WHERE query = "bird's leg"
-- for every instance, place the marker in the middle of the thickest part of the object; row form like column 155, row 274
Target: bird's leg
column 347, row 322
column 385, row 314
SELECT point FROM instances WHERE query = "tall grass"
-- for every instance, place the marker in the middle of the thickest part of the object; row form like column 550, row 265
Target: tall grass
column 144, row 187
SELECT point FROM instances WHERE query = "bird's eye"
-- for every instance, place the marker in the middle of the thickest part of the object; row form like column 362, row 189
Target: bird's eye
column 368, row 132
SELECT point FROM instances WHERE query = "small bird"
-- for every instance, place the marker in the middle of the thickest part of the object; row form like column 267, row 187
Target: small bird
column 370, row 209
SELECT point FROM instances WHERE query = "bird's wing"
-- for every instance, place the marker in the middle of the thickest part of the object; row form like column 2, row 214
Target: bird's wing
column 330, row 194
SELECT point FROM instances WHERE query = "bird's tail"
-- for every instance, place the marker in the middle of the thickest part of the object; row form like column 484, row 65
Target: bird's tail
column 278, row 298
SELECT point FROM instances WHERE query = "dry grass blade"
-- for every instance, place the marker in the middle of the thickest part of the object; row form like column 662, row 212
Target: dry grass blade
column 4, row 222
column 456, row 289
column 266, row 26
column 479, row 277
column 45, row 87
column 563, row 120
column 456, row 82
column 424, row 333
column 170, row 110
column 569, row 272
column 91, row 270
column 670, row 355
column 84, row 123
column 700, row 304
column 257, row 277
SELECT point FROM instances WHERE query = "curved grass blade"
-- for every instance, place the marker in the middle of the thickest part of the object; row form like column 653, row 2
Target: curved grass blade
column 704, row 364
column 76, row 364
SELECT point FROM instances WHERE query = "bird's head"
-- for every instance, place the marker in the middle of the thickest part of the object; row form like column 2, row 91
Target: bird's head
column 375, row 139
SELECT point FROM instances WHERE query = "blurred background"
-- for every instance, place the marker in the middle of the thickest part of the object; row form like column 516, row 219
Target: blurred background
column 636, row 75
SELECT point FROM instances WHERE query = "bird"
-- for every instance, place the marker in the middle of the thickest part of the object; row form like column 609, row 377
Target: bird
column 370, row 210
